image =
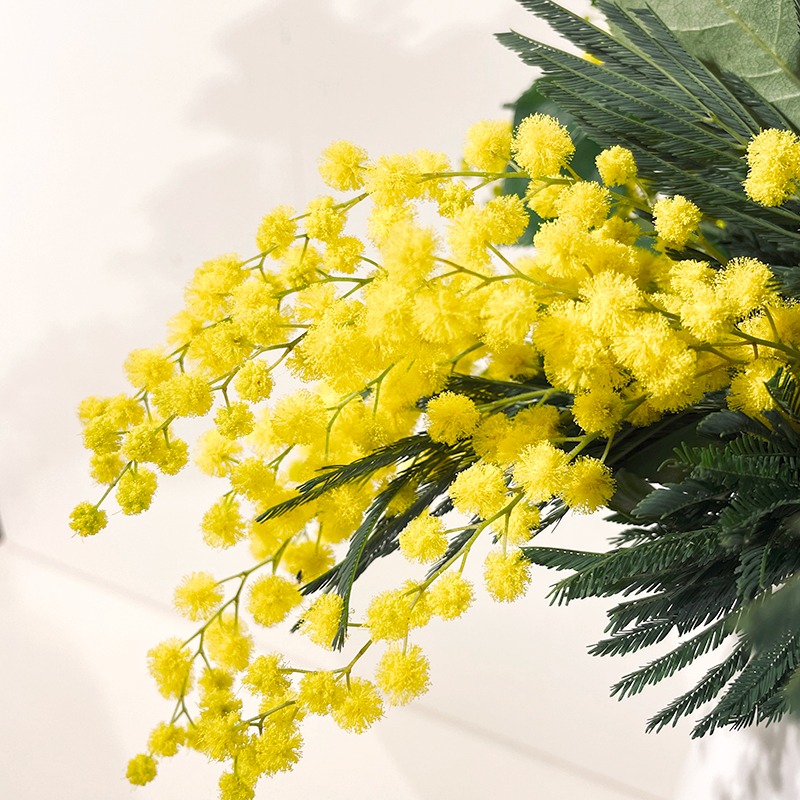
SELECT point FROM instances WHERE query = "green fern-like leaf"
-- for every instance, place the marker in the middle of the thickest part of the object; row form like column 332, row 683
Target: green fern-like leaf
column 712, row 683
column 755, row 685
column 667, row 665
column 629, row 641
column 674, row 499
column 723, row 424
column 634, row 564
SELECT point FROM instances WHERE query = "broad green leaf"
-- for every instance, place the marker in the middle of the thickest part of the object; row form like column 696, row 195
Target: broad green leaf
column 755, row 39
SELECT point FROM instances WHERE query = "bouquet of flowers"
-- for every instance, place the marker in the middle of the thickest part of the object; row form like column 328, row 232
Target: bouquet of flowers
column 431, row 383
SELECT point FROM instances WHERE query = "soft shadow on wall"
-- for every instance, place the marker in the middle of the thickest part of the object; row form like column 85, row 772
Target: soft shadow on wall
column 757, row 763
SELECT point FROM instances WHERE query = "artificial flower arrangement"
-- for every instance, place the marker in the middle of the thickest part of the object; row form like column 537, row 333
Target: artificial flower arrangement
column 642, row 358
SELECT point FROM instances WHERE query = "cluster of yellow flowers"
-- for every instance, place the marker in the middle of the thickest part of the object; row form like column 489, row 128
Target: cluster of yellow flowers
column 374, row 331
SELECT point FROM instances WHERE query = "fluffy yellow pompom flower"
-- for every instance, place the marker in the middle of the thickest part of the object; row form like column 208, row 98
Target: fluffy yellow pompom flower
column 323, row 221
column 218, row 735
column 321, row 620
column 222, row 524
column 143, row 442
column 748, row 392
column 529, row 426
column 452, row 417
column 450, row 596
column 135, row 490
column 359, row 707
column 207, row 293
column 308, row 559
column 234, row 420
column 106, row 467
column 141, row 769
column 255, row 316
column 541, row 471
column 480, row 489
column 676, row 219
column 233, row 786
column 219, row 348
column 265, row 676
column 87, row 520
column 198, row 595
column 91, row 407
column 272, row 598
column 454, row 197
column 170, row 664
column 343, row 254
column 173, row 458
column 392, row 180
column 598, row 410
column 228, row 643
column 489, row 436
column 102, row 436
column 387, row 616
column 612, row 300
column 299, row 418
column 185, row 395
column 216, row 455
column 429, row 162
column 342, row 165
column 254, row 381
column 120, row 411
column 468, row 237
column 276, row 231
column 522, row 521
column 214, row 681
column 542, row 198
column 165, row 739
column 616, row 165
column 390, row 615
column 146, row 368
column 589, row 485
column 277, row 749
column 746, row 285
column 507, row 575
column 409, row 252
column 423, row 539
column 319, row 691
column 403, row 675
column 488, row 145
column 300, row 265
column 542, row 145
column 504, row 219
column 585, row 203
column 660, row 358
column 382, row 220
column 183, row 326
column 773, row 157
column 705, row 314
column 507, row 313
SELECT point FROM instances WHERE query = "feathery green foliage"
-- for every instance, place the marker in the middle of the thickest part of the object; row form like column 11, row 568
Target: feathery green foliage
column 679, row 118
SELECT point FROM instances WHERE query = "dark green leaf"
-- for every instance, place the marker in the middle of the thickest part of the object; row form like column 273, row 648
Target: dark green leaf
column 755, row 40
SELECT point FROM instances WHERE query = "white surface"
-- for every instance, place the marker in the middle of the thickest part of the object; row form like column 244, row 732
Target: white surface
column 138, row 140
column 754, row 764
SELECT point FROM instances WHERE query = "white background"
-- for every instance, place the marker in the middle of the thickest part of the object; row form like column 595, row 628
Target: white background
column 137, row 140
